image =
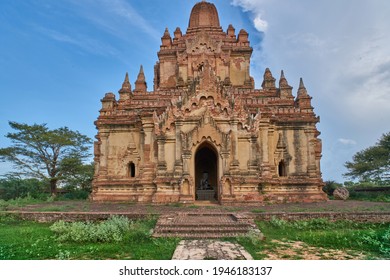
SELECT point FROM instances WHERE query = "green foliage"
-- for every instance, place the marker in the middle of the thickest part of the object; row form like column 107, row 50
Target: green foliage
column 380, row 196
column 74, row 194
column 15, row 187
column 344, row 234
column 18, row 202
column 254, row 237
column 77, row 176
column 330, row 186
column 45, row 154
column 373, row 163
column 113, row 229
column 24, row 240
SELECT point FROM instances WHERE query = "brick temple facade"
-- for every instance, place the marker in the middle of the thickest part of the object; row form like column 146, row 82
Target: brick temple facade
column 205, row 132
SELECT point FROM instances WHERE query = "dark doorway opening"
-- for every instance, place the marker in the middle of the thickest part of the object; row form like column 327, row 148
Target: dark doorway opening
column 282, row 169
column 206, row 173
column 132, row 169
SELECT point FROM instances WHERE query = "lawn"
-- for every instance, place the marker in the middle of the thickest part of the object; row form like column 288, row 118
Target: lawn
column 355, row 240
column 26, row 240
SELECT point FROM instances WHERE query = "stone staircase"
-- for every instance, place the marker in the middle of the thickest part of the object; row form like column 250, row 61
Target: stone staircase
column 204, row 225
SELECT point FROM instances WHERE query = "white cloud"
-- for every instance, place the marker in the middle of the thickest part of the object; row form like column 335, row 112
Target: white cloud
column 254, row 7
column 260, row 24
column 347, row 141
column 342, row 50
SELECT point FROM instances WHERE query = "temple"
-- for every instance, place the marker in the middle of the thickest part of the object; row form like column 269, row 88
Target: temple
column 205, row 132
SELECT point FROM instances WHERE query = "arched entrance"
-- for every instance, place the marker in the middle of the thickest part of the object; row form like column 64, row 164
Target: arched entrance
column 206, row 173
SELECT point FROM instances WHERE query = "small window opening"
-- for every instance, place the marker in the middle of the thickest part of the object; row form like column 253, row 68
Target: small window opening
column 282, row 169
column 132, row 169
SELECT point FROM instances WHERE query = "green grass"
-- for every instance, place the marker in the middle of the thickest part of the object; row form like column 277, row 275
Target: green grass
column 25, row 240
column 371, row 239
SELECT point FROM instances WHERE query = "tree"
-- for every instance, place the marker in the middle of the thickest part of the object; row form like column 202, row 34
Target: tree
column 40, row 153
column 12, row 187
column 77, row 175
column 373, row 163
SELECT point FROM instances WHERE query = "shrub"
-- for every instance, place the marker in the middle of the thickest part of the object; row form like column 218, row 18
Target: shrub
column 76, row 194
column 3, row 205
column 330, row 186
column 254, row 236
column 113, row 229
column 279, row 223
column 13, row 188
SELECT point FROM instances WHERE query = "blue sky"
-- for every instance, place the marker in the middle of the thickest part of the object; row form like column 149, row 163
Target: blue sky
column 59, row 58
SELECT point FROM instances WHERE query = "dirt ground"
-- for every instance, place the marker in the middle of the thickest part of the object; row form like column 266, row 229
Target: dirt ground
column 89, row 206
column 297, row 250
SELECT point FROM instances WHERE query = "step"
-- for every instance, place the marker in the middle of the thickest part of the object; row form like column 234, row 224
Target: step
column 204, row 225
column 202, row 229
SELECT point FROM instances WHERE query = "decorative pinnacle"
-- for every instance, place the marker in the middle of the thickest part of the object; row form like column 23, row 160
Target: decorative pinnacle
column 301, row 90
column 301, row 85
column 140, row 83
column 141, row 74
column 283, row 81
column 126, row 86
column 166, row 33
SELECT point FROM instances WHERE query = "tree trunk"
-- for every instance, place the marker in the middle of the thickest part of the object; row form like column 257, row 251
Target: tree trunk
column 53, row 187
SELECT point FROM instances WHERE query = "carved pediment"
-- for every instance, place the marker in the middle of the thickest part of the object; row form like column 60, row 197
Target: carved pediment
column 281, row 152
column 203, row 44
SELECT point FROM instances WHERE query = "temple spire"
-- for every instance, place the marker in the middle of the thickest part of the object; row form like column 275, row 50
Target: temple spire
column 301, row 90
column 301, row 85
column 166, row 39
column 125, row 91
column 303, row 100
column 284, row 87
column 269, row 80
column 140, row 83
column 282, row 80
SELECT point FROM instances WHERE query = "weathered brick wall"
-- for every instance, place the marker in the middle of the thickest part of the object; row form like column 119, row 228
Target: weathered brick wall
column 373, row 217
column 45, row 217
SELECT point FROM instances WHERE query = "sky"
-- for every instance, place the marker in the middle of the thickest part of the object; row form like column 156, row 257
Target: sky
column 59, row 58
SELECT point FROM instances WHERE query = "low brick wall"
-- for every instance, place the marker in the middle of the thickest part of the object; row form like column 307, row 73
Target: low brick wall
column 373, row 217
column 45, row 217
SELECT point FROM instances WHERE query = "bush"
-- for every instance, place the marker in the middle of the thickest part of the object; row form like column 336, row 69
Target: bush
column 113, row 229
column 330, row 186
column 76, row 194
column 3, row 205
column 13, row 188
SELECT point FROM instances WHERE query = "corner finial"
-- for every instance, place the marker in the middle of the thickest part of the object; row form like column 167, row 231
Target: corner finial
column 269, row 80
column 283, row 81
column 301, row 90
column 301, row 84
column 125, row 91
column 166, row 39
column 140, row 84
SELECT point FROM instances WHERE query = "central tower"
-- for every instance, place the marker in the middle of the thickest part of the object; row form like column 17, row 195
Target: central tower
column 183, row 58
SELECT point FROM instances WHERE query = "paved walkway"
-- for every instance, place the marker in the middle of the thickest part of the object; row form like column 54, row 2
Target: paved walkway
column 210, row 250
